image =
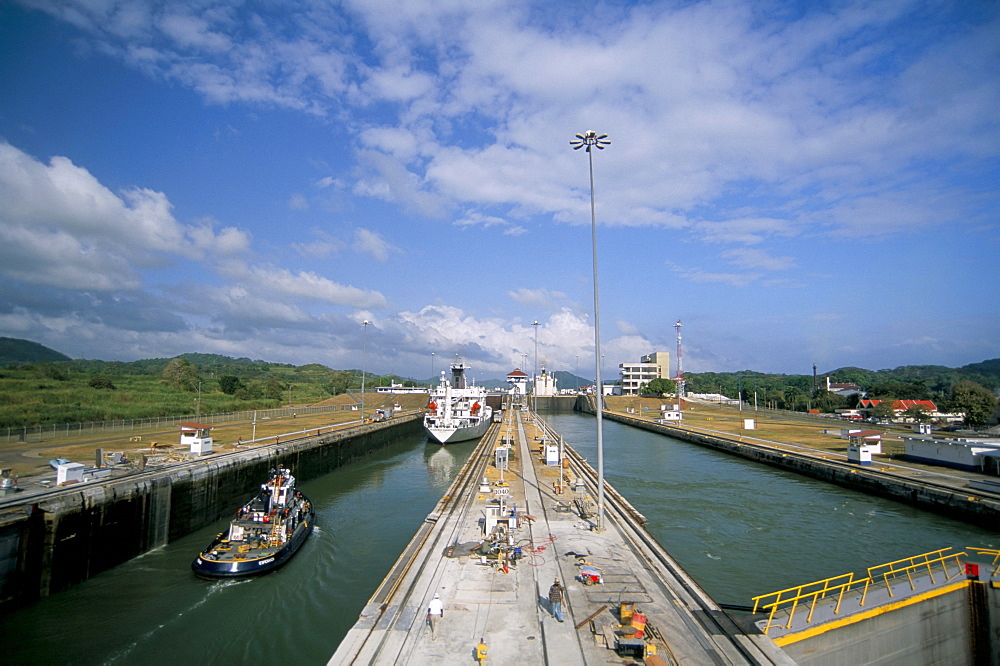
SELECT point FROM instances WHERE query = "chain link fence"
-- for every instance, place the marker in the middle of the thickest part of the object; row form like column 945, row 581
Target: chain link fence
column 35, row 434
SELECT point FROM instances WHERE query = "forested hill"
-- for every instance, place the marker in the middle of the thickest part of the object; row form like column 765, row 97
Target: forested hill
column 14, row 351
column 909, row 381
column 936, row 378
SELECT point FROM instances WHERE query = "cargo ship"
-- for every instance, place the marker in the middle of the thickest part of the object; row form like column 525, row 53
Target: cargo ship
column 457, row 412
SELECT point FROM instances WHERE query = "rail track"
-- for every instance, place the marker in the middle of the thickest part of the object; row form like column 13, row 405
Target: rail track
column 385, row 595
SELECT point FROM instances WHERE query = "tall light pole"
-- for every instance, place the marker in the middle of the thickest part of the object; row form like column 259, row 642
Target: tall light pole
column 364, row 358
column 432, row 368
column 534, row 381
column 592, row 139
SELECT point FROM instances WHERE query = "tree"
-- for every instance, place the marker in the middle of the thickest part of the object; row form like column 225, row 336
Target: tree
column 658, row 386
column 883, row 411
column 828, row 402
column 791, row 397
column 179, row 373
column 102, row 383
column 976, row 401
column 230, row 384
column 273, row 388
column 917, row 413
column 899, row 390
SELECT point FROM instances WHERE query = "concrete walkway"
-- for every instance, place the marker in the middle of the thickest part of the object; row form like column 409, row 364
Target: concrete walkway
column 506, row 604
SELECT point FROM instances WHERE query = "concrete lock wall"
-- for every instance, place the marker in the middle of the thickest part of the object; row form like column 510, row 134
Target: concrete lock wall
column 981, row 511
column 934, row 631
column 47, row 546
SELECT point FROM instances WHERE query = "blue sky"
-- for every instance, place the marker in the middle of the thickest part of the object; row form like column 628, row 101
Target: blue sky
column 796, row 184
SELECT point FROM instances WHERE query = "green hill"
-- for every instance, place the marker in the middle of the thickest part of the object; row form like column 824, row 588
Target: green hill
column 15, row 352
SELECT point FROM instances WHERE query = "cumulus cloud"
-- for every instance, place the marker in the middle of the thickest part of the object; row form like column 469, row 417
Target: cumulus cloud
column 61, row 227
column 701, row 100
column 740, row 136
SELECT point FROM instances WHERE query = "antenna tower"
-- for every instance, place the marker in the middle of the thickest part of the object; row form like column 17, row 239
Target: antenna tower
column 680, row 362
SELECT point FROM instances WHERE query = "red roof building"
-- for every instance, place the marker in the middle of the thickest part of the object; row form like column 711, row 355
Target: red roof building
column 901, row 405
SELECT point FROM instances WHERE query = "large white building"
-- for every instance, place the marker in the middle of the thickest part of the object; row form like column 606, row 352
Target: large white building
column 652, row 366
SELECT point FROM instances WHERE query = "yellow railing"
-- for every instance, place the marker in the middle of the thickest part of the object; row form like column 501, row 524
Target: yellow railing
column 918, row 564
column 992, row 552
column 811, row 594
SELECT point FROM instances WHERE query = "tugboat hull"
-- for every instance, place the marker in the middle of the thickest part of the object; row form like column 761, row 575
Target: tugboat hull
column 214, row 568
column 263, row 535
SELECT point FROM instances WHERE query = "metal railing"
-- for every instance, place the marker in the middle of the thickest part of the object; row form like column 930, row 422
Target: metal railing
column 990, row 552
column 834, row 589
column 919, row 564
column 810, row 593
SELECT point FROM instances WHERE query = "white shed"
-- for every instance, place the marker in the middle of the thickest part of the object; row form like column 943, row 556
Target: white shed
column 67, row 473
column 196, row 436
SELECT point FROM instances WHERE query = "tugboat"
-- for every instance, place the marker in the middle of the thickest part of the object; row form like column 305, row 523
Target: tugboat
column 264, row 533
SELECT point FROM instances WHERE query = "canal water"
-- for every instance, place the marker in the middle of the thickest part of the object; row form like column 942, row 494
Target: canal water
column 737, row 527
column 153, row 610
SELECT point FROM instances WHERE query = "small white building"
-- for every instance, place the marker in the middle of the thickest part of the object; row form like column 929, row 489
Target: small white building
column 872, row 439
column 969, row 453
column 67, row 473
column 196, row 437
column 670, row 416
column 518, row 381
column 860, row 454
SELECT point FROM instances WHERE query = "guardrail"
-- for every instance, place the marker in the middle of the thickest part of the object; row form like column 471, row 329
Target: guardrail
column 836, row 589
column 907, row 567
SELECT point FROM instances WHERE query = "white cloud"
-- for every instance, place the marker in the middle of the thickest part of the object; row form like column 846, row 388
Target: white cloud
column 190, row 32
column 758, row 259
column 281, row 284
column 545, row 298
column 61, row 227
column 371, row 242
column 696, row 97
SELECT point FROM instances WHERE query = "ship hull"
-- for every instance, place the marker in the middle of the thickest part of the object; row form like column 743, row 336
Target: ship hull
column 451, row 435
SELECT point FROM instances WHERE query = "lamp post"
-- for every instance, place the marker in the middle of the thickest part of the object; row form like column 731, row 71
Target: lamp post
column 432, row 368
column 364, row 358
column 534, row 381
column 592, row 139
